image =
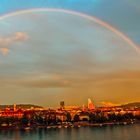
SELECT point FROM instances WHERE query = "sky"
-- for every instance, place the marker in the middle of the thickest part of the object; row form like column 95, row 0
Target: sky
column 47, row 56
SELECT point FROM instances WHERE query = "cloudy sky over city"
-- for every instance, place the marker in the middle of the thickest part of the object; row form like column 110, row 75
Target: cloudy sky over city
column 69, row 50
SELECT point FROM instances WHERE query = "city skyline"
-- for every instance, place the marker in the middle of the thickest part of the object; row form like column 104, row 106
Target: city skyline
column 49, row 54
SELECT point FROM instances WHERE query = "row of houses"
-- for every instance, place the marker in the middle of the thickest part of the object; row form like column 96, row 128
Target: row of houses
column 62, row 114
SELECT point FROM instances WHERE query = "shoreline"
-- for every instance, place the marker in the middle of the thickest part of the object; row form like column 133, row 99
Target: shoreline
column 68, row 125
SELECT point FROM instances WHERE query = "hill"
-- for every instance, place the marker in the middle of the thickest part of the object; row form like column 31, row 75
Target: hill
column 18, row 106
column 129, row 105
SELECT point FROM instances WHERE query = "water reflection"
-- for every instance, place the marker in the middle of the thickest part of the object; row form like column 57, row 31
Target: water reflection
column 129, row 132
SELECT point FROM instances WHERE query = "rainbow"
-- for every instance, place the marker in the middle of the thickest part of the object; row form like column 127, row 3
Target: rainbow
column 92, row 18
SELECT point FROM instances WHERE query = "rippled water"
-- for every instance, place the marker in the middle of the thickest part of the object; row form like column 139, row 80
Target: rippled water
column 129, row 132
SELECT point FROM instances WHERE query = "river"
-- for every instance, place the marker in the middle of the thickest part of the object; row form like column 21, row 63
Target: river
column 120, row 132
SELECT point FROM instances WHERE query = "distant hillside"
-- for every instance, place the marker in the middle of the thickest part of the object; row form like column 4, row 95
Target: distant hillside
column 18, row 106
column 129, row 105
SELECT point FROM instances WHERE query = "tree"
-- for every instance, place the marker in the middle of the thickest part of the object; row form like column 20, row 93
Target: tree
column 76, row 118
column 68, row 117
column 24, row 120
column 92, row 117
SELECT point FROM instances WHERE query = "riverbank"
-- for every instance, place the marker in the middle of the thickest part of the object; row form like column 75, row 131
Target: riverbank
column 68, row 125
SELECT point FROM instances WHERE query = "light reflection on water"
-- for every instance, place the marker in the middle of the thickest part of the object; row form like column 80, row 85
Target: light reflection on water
column 129, row 132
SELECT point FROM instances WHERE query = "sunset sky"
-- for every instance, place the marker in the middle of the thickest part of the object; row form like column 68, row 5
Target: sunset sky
column 89, row 50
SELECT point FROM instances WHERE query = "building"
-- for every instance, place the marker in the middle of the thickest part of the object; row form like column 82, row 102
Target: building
column 90, row 105
column 62, row 104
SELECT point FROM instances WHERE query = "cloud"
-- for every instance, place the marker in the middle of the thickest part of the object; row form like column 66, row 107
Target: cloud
column 6, row 42
column 116, row 81
column 122, row 86
column 20, row 36
column 52, row 81
column 16, row 37
column 43, row 81
column 46, row 84
column 4, row 51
